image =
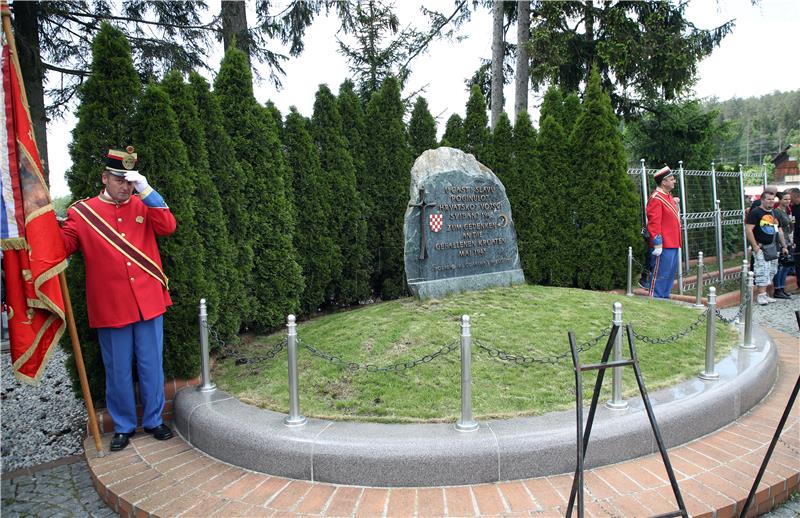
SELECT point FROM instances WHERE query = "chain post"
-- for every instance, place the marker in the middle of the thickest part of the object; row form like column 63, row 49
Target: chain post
column 720, row 251
column 205, row 364
column 741, row 193
column 698, row 303
column 466, row 423
column 743, row 287
column 294, row 418
column 616, row 402
column 680, row 273
column 630, row 272
column 711, row 336
column 683, row 216
column 747, row 342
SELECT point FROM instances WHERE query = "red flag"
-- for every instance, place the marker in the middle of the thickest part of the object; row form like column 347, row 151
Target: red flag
column 33, row 252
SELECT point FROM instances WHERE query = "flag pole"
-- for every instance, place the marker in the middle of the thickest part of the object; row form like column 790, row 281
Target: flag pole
column 73, row 331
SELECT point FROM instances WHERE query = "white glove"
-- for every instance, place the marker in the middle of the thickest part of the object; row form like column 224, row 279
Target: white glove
column 657, row 251
column 139, row 182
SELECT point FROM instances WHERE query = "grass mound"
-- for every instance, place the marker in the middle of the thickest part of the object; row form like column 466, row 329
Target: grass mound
column 530, row 321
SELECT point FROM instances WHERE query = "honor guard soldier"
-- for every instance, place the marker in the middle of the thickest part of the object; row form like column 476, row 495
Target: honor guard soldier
column 664, row 226
column 126, row 289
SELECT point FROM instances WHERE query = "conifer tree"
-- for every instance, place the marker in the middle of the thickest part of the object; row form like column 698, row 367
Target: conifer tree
column 277, row 117
column 108, row 99
column 527, row 212
column 164, row 162
column 557, row 257
column 454, row 133
column 354, row 130
column 503, row 164
column 421, row 128
column 220, row 257
column 477, row 136
column 350, row 280
column 570, row 111
column 318, row 255
column 607, row 209
column 388, row 165
column 227, row 176
column 552, row 105
column 277, row 281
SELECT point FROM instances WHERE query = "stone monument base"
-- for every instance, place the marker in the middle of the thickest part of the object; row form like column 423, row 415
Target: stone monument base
column 439, row 288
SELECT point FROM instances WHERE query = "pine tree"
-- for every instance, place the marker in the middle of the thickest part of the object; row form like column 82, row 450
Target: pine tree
column 226, row 174
column 164, row 162
column 477, row 137
column 527, row 207
column 421, row 128
column 607, row 209
column 220, row 257
column 347, row 217
column 454, row 133
column 556, row 256
column 108, row 99
column 317, row 252
column 277, row 281
column 388, row 165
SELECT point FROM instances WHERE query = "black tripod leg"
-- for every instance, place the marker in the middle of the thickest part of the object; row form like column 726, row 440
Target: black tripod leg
column 654, row 425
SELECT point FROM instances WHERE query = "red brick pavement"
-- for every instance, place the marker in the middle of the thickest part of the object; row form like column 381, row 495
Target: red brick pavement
column 715, row 472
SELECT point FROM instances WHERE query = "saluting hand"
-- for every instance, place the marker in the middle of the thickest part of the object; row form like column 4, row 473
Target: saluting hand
column 137, row 179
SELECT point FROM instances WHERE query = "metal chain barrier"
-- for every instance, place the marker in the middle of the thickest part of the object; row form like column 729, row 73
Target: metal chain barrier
column 528, row 360
column 394, row 367
column 739, row 313
column 677, row 336
column 236, row 355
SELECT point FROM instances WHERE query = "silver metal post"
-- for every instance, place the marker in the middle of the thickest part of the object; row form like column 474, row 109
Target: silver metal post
column 630, row 272
column 720, row 251
column 698, row 303
column 741, row 192
column 683, row 217
column 747, row 343
column 205, row 364
column 680, row 273
column 616, row 402
column 466, row 423
column 743, row 289
column 294, row 418
column 711, row 336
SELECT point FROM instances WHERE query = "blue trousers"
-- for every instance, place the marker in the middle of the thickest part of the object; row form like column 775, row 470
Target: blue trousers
column 145, row 341
column 662, row 272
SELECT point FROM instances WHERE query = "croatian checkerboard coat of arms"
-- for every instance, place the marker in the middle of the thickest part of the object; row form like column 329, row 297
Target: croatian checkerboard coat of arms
column 435, row 222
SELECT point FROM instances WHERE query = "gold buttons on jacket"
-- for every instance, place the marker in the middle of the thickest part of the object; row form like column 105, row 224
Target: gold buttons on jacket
column 131, row 279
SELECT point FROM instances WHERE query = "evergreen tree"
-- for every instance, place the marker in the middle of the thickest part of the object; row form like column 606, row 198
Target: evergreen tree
column 503, row 165
column 276, row 282
column 570, row 111
column 477, row 137
column 220, row 257
column 277, row 116
column 347, row 217
column 226, row 174
column 388, row 165
column 107, row 102
column 607, row 207
column 557, row 256
column 454, row 133
column 526, row 210
column 552, row 105
column 354, row 130
column 164, row 162
column 421, row 128
column 319, row 257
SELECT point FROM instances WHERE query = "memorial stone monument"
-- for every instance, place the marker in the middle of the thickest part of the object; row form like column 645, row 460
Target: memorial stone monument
column 459, row 233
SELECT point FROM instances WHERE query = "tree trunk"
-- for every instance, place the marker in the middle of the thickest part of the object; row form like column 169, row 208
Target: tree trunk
column 26, row 36
column 497, row 61
column 234, row 26
column 523, row 63
column 590, row 47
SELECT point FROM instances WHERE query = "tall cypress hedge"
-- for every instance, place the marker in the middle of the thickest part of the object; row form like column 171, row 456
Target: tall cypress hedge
column 219, row 264
column 108, row 99
column 226, row 175
column 527, row 193
column 454, row 133
column 276, row 281
column 317, row 252
column 388, row 163
column 350, row 281
column 164, row 162
column 421, row 128
column 607, row 215
column 477, row 136
column 503, row 160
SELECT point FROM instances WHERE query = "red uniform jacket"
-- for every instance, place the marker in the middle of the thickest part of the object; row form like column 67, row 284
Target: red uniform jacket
column 118, row 292
column 663, row 218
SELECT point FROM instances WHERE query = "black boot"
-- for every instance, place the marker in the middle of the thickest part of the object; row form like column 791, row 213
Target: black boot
column 780, row 294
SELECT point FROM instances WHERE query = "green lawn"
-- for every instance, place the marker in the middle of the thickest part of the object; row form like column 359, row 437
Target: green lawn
column 526, row 320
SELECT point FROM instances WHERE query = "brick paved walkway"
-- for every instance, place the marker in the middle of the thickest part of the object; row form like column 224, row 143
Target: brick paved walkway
column 715, row 472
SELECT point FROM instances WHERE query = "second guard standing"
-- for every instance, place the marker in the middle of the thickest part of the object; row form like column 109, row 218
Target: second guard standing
column 664, row 226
